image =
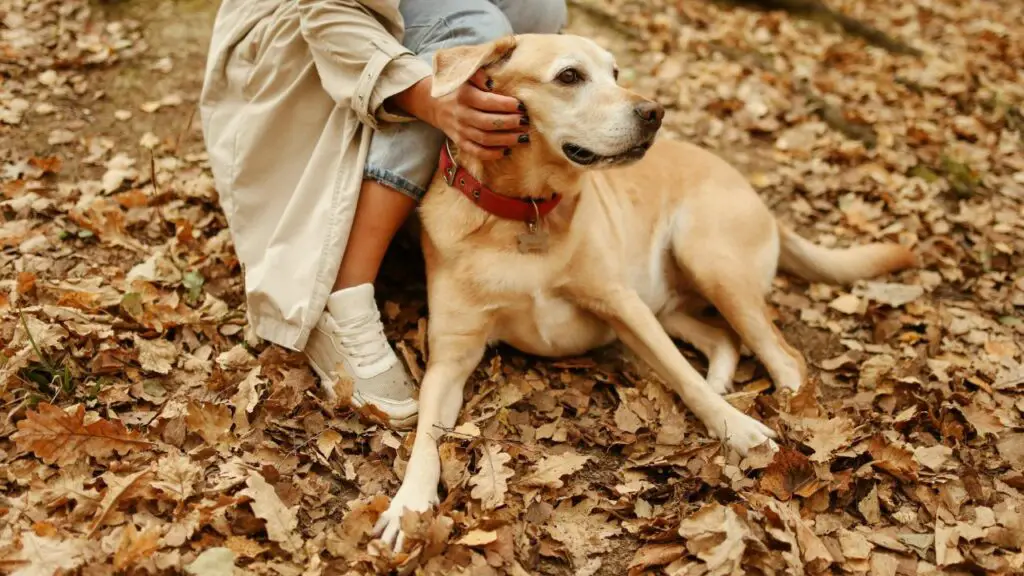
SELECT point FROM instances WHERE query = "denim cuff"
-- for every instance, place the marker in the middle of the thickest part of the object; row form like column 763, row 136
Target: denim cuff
column 395, row 182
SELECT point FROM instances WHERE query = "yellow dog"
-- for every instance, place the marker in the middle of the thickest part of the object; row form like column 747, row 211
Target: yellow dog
column 595, row 232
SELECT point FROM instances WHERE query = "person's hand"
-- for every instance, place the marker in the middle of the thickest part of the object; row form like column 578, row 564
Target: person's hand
column 480, row 122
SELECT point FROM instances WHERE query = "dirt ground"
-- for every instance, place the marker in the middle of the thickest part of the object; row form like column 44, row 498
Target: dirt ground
column 145, row 430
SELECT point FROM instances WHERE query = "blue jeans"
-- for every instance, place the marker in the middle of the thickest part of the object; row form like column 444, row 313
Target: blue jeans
column 404, row 156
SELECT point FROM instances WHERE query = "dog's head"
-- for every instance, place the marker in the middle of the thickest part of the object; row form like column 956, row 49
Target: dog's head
column 569, row 86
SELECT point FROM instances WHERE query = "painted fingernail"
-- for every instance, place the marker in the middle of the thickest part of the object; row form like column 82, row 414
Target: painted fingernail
column 524, row 138
column 522, row 107
column 524, row 121
column 489, row 84
column 508, row 152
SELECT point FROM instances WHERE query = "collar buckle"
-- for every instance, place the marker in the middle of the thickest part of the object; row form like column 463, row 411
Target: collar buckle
column 449, row 172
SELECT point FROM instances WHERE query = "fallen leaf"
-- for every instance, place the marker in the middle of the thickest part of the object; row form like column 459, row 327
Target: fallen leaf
column 828, row 436
column 246, row 399
column 47, row 556
column 583, row 532
column 281, row 521
column 213, row 562
column 327, row 441
column 893, row 459
column 626, row 420
column 156, row 355
column 789, row 473
column 847, row 304
column 136, row 546
column 716, row 535
column 653, row 555
column 934, row 457
column 892, row 294
column 478, row 537
column 211, row 421
column 119, row 488
column 61, row 437
column 550, row 470
column 1011, row 448
column 490, row 483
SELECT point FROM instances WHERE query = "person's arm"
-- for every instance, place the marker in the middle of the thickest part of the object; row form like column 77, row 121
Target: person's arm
column 480, row 122
column 361, row 62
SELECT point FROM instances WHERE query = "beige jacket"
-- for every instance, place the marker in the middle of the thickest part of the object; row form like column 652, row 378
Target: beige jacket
column 291, row 93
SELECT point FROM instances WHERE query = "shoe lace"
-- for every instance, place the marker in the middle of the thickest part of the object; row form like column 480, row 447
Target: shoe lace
column 363, row 339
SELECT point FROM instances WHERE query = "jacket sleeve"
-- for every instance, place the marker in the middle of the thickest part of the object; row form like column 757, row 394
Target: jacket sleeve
column 360, row 62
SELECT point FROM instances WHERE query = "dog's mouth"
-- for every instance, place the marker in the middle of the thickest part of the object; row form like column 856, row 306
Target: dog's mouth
column 586, row 157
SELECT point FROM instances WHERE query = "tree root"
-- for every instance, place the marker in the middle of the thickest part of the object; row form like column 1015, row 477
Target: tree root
column 816, row 10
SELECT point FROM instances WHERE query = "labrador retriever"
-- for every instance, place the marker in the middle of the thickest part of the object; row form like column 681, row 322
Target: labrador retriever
column 595, row 232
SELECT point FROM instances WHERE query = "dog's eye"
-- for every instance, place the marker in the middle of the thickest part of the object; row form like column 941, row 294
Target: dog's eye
column 615, row 74
column 569, row 76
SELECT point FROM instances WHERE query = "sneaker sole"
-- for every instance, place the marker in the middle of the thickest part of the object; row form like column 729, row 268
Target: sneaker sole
column 399, row 423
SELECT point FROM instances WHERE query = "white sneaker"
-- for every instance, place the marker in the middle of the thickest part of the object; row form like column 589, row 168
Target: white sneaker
column 350, row 337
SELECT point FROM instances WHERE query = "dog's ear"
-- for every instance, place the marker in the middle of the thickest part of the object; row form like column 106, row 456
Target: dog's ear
column 454, row 66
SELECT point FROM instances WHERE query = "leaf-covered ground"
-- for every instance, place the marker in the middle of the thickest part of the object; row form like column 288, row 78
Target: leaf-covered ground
column 143, row 431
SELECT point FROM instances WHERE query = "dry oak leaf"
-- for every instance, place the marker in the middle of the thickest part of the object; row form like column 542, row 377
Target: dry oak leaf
column 177, row 476
column 343, row 540
column 789, row 473
column 491, row 483
column 211, row 421
column 550, row 470
column 478, row 537
column 281, row 521
column 60, row 437
column 718, row 536
column 118, row 488
column 136, row 546
column 828, row 436
column 213, row 562
column 892, row 293
column 652, row 555
column 1011, row 448
column 812, row 549
column 156, row 355
column 244, row 547
column 984, row 420
column 45, row 556
column 246, row 399
column 583, row 533
column 893, row 459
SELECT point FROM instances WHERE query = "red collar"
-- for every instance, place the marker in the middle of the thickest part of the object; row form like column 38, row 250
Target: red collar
column 507, row 207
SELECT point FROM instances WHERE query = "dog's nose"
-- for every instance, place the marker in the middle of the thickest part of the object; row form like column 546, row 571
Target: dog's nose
column 650, row 112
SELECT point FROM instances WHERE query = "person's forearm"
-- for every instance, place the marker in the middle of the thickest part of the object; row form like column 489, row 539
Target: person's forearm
column 416, row 100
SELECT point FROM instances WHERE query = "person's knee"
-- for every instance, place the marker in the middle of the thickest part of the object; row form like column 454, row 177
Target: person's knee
column 535, row 16
column 481, row 23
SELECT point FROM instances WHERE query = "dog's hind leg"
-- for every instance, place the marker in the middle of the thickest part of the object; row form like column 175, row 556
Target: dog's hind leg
column 728, row 280
column 453, row 356
column 639, row 329
column 720, row 345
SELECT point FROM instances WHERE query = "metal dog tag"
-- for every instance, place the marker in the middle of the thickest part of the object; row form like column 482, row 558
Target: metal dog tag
column 533, row 240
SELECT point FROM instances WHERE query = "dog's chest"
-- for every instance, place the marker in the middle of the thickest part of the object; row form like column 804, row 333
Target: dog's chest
column 545, row 324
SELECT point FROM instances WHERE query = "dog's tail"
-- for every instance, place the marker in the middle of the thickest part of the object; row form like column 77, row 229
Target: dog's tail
column 815, row 263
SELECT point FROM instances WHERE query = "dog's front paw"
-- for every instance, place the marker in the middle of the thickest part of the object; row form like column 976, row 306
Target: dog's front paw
column 409, row 497
column 742, row 433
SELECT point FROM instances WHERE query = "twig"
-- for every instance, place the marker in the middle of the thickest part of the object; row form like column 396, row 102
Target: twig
column 452, row 432
column 188, row 125
column 152, row 173
column 815, row 9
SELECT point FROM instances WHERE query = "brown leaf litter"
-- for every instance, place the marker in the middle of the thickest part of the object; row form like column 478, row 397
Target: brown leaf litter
column 144, row 429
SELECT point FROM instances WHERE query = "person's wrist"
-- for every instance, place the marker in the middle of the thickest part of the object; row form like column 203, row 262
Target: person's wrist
column 417, row 101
